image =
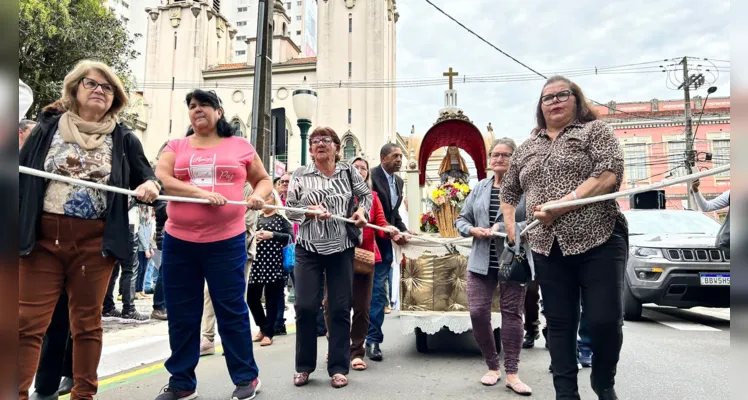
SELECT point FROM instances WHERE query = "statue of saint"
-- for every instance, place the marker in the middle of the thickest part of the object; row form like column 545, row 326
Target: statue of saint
column 454, row 167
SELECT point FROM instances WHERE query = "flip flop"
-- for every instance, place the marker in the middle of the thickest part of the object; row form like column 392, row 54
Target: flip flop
column 339, row 381
column 490, row 379
column 358, row 364
column 517, row 386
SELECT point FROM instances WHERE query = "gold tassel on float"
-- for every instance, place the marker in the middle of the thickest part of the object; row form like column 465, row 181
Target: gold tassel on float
column 445, row 220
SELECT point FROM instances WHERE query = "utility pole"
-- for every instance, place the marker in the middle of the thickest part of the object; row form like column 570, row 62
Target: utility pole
column 696, row 81
column 261, row 119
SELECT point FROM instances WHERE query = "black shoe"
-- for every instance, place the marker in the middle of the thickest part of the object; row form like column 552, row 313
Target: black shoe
column 111, row 315
column 607, row 394
column 281, row 330
column 373, row 352
column 530, row 339
column 176, row 394
column 66, row 386
column 545, row 336
column 37, row 396
column 134, row 317
column 246, row 391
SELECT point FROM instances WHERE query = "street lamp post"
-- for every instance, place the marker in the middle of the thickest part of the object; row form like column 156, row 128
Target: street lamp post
column 304, row 105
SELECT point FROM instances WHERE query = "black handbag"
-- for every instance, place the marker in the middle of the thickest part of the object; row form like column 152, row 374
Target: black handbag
column 514, row 267
column 354, row 234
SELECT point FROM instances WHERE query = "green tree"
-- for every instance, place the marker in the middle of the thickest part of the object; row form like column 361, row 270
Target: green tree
column 54, row 35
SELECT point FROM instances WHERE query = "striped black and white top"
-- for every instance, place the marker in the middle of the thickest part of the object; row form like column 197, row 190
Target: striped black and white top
column 494, row 209
column 310, row 187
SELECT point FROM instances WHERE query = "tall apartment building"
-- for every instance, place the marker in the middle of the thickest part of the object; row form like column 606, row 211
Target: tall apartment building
column 302, row 29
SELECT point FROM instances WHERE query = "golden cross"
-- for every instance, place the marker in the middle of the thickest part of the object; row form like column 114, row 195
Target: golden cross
column 450, row 74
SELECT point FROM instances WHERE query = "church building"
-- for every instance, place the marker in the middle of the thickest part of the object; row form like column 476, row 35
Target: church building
column 190, row 44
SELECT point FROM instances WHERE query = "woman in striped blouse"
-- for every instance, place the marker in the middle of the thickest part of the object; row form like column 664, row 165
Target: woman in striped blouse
column 324, row 249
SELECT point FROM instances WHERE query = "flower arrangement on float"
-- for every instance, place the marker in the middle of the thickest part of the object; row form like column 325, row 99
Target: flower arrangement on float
column 428, row 223
column 447, row 201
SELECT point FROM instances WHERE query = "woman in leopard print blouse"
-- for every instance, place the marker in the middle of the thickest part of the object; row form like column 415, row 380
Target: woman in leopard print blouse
column 577, row 250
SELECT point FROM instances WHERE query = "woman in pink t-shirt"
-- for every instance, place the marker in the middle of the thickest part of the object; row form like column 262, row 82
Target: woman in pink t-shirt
column 207, row 243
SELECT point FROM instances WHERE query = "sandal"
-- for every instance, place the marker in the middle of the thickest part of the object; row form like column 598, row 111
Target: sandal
column 266, row 341
column 258, row 337
column 491, row 378
column 358, row 364
column 339, row 381
column 520, row 388
column 301, row 378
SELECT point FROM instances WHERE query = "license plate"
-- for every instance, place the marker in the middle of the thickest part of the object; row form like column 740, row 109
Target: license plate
column 715, row 279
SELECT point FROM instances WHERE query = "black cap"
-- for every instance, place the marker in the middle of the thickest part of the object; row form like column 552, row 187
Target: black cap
column 204, row 96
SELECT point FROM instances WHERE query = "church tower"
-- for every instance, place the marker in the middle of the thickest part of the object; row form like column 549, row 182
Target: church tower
column 184, row 37
column 356, row 47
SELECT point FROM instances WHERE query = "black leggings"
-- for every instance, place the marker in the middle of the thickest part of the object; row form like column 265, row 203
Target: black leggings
column 266, row 321
column 599, row 273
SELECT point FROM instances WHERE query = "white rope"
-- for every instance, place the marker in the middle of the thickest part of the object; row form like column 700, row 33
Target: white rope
column 629, row 192
column 99, row 186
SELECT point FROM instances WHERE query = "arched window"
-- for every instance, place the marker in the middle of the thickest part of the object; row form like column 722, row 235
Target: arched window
column 349, row 148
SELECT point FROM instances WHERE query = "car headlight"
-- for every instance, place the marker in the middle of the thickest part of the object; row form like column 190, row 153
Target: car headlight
column 647, row 252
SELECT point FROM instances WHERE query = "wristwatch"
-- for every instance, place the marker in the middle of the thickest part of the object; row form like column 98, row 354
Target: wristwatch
column 158, row 183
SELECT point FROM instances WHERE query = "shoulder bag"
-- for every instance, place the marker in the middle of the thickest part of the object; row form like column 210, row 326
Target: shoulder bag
column 289, row 256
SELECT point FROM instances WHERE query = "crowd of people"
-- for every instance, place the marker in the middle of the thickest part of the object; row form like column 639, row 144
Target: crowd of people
column 217, row 261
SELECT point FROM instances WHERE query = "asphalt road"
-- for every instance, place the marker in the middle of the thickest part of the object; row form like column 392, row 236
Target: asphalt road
column 673, row 354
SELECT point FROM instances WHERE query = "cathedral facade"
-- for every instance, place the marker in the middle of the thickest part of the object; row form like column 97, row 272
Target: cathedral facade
column 190, row 44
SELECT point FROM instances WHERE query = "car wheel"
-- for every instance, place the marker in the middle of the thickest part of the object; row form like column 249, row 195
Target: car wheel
column 422, row 341
column 632, row 307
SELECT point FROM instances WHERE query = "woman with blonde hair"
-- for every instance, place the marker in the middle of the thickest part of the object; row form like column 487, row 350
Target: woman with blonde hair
column 274, row 232
column 71, row 236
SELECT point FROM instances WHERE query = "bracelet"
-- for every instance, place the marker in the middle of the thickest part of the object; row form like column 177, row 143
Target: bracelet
column 574, row 194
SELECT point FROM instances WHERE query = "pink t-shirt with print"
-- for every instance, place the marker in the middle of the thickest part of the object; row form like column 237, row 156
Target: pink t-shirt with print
column 221, row 169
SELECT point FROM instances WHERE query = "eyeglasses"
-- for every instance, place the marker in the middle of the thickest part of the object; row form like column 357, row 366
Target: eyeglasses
column 91, row 85
column 317, row 141
column 284, row 182
column 496, row 156
column 561, row 96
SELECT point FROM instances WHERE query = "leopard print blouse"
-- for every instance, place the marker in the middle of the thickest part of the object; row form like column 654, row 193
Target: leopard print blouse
column 546, row 170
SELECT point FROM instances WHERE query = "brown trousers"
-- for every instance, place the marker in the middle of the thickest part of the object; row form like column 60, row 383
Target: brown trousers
column 67, row 256
column 362, row 287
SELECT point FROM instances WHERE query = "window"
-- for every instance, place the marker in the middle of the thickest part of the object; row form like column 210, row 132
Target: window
column 298, row 32
column 298, row 17
column 298, row 3
column 241, row 38
column 241, row 23
column 350, row 114
column 721, row 154
column 350, row 23
column 288, row 5
column 636, row 160
column 677, row 158
column 242, row 9
column 124, row 3
column 350, row 69
column 349, row 148
column 241, row 52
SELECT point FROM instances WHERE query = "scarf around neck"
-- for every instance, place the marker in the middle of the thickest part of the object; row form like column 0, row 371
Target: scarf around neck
column 88, row 135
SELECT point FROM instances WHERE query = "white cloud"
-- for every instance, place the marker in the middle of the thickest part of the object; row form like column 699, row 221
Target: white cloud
column 548, row 37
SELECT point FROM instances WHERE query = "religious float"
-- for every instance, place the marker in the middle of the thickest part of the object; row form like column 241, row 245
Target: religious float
column 433, row 273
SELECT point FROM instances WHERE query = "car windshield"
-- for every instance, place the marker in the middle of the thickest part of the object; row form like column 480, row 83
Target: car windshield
column 670, row 222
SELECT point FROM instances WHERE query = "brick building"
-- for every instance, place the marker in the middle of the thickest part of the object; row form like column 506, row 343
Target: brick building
column 653, row 137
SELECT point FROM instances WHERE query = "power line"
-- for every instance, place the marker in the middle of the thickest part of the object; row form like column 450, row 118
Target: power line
column 526, row 66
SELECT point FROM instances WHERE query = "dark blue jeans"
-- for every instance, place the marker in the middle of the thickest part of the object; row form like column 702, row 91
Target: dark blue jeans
column 186, row 267
column 389, row 287
column 159, row 303
column 378, row 302
column 142, row 268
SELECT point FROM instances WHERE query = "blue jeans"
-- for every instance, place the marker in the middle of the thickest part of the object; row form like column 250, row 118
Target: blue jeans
column 378, row 302
column 389, row 287
column 186, row 267
column 279, row 320
column 142, row 268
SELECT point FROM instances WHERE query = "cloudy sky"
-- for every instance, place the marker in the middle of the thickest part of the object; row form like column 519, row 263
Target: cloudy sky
column 549, row 37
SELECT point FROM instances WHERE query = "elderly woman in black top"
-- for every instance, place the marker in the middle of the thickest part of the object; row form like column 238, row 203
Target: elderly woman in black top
column 324, row 249
column 572, row 155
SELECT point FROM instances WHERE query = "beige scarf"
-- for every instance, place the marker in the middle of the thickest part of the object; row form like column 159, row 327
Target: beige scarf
column 88, row 135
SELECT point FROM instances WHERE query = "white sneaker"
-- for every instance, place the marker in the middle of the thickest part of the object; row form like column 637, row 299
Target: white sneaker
column 207, row 347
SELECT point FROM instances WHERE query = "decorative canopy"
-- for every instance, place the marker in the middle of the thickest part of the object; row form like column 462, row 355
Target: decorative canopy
column 458, row 132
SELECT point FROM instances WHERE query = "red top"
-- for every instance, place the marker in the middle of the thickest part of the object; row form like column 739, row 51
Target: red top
column 376, row 217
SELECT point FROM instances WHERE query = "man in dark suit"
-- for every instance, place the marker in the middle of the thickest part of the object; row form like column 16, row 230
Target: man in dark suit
column 389, row 187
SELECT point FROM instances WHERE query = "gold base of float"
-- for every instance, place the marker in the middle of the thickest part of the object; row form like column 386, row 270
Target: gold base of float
column 433, row 283
column 446, row 216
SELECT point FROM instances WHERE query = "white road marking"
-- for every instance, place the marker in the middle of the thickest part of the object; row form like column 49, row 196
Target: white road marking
column 678, row 323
